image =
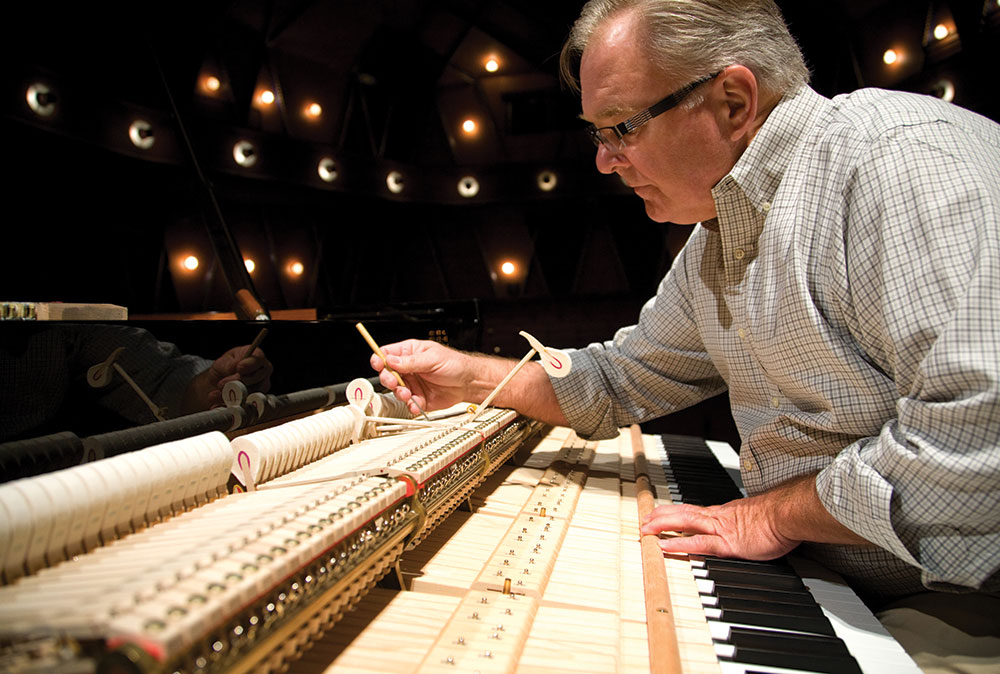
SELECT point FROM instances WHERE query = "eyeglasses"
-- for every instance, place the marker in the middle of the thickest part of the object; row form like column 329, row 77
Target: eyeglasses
column 613, row 137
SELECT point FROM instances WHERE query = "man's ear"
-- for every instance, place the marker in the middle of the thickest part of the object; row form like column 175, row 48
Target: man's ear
column 740, row 98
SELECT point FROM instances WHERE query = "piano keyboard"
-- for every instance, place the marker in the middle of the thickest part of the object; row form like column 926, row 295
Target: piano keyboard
column 779, row 616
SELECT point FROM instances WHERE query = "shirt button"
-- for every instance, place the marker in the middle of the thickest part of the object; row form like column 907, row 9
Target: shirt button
column 742, row 333
column 739, row 253
column 748, row 464
column 766, row 206
column 775, row 403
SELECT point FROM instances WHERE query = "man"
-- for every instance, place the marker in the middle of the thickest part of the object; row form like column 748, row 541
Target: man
column 843, row 285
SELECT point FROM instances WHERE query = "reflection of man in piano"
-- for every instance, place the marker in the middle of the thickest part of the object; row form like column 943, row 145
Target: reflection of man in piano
column 841, row 285
column 43, row 374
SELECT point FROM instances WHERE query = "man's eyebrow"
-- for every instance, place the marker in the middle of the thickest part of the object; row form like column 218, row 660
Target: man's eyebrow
column 612, row 112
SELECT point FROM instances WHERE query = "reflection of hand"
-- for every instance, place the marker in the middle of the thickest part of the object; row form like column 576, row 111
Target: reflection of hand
column 205, row 390
column 435, row 375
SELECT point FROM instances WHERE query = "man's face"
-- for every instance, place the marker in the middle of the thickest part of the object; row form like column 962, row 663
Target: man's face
column 674, row 160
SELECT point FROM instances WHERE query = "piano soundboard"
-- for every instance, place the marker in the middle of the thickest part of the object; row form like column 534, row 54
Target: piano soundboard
column 541, row 571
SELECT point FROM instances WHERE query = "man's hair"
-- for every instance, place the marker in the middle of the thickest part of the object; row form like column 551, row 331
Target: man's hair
column 688, row 39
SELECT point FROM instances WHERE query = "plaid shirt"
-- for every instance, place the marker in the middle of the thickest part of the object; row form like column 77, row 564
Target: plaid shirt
column 850, row 303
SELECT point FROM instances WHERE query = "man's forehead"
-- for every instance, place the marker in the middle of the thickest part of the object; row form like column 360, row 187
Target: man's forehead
column 615, row 80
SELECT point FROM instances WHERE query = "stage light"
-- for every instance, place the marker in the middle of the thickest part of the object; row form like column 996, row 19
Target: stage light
column 547, row 181
column 469, row 126
column 266, row 97
column 492, row 65
column 210, row 84
column 944, row 89
column 250, row 265
column 140, row 132
column 327, row 170
column 508, row 268
column 295, row 268
column 394, row 181
column 314, row 110
column 41, row 99
column 890, row 57
column 941, row 31
column 245, row 153
column 190, row 263
column 468, row 187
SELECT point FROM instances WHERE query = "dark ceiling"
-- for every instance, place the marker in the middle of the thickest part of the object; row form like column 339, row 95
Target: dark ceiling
column 395, row 79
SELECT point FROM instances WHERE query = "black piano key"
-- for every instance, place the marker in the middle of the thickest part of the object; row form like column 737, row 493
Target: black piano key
column 773, row 566
column 794, row 651
column 809, row 625
column 764, row 595
column 777, row 608
column 760, row 579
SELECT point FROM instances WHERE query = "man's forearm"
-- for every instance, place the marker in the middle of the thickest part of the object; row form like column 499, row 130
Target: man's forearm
column 801, row 516
column 529, row 391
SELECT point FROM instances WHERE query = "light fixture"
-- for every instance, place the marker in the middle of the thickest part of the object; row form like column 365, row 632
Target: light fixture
column 508, row 268
column 295, row 268
column 140, row 132
column 468, row 187
column 327, row 170
column 941, row 31
column 394, row 181
column 469, row 126
column 944, row 89
column 41, row 99
column 190, row 263
column 210, row 84
column 250, row 265
column 266, row 97
column 492, row 65
column 314, row 110
column 245, row 153
column 890, row 57
column 547, row 181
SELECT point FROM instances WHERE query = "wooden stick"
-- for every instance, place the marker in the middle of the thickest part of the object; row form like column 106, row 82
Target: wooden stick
column 664, row 652
column 378, row 352
column 255, row 343
column 503, row 382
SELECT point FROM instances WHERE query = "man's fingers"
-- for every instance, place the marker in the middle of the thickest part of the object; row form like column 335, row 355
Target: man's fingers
column 693, row 545
column 687, row 519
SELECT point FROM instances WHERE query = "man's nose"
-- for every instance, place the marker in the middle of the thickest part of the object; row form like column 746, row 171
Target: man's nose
column 608, row 160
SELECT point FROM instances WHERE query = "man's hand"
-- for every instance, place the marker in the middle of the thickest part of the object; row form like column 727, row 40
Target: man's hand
column 434, row 375
column 205, row 390
column 438, row 376
column 765, row 526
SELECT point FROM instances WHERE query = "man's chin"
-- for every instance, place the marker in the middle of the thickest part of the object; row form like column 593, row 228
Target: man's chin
column 658, row 213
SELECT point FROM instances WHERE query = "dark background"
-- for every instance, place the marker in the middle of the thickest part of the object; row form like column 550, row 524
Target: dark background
column 91, row 218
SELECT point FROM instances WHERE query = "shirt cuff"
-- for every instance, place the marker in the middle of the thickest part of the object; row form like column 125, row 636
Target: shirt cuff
column 858, row 497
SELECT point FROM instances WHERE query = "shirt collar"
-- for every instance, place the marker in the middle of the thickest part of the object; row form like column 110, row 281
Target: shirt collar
column 743, row 197
column 760, row 169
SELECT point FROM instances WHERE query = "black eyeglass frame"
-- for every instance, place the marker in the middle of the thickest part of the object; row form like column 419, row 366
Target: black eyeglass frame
column 633, row 123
